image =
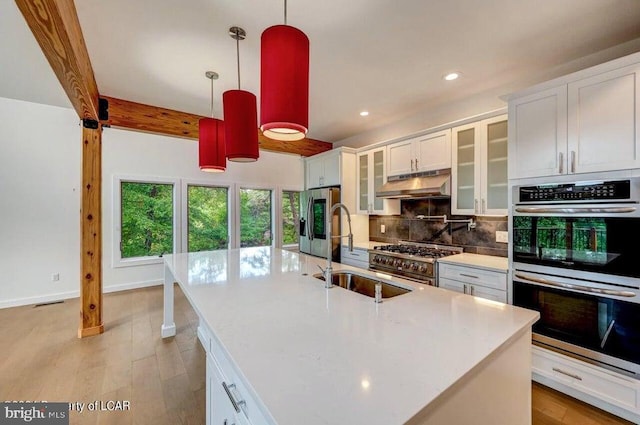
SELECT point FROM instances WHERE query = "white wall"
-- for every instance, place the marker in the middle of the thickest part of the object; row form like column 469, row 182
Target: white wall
column 131, row 153
column 40, row 175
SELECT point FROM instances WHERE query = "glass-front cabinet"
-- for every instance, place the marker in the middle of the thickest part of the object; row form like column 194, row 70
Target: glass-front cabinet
column 372, row 175
column 479, row 171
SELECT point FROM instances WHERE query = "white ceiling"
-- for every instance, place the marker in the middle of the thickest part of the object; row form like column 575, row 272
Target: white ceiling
column 387, row 57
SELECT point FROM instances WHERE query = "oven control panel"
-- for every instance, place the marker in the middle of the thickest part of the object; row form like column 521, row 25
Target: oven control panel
column 583, row 191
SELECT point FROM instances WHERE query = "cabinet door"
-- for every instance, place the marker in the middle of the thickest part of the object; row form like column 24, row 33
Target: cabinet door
column 378, row 178
column 538, row 134
column 363, row 183
column 493, row 199
column 433, row 151
column 331, row 176
column 220, row 411
column 465, row 172
column 487, row 293
column 452, row 285
column 400, row 158
column 315, row 172
column 371, row 175
column 604, row 113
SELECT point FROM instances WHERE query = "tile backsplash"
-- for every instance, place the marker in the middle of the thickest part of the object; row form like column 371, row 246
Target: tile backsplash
column 481, row 240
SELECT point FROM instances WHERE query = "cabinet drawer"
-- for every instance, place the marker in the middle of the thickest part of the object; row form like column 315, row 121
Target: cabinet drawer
column 487, row 278
column 607, row 386
column 356, row 258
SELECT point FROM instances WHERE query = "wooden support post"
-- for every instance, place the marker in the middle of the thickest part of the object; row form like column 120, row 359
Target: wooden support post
column 91, row 231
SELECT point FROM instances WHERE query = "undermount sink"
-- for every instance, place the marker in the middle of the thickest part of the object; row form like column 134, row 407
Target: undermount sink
column 364, row 285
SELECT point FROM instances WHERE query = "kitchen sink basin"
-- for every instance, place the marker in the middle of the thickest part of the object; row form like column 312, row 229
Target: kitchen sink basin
column 361, row 284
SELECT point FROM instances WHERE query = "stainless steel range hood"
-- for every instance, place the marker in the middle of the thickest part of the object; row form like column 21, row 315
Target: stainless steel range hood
column 431, row 184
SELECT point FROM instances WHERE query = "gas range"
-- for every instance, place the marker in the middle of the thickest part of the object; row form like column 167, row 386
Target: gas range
column 411, row 260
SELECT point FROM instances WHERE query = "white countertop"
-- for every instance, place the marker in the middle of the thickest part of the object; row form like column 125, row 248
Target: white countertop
column 332, row 356
column 365, row 245
column 489, row 262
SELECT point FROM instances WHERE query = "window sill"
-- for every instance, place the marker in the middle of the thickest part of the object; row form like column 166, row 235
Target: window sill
column 137, row 261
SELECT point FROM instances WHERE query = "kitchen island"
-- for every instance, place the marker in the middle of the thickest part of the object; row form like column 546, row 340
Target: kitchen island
column 283, row 349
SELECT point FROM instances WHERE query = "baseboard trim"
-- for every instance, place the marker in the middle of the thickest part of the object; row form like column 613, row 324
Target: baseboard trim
column 19, row 302
column 41, row 299
column 131, row 285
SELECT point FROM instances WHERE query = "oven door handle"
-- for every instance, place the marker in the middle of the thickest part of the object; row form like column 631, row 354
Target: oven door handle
column 576, row 287
column 591, row 210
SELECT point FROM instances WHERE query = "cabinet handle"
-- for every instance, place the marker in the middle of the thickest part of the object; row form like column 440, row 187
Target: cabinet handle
column 561, row 161
column 475, row 205
column 412, row 165
column 416, row 164
column 471, row 289
column 464, row 289
column 468, row 275
column 236, row 404
column 555, row 369
column 484, row 206
column 573, row 161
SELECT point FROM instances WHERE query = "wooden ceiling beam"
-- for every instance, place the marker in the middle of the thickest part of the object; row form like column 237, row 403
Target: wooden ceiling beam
column 153, row 119
column 55, row 25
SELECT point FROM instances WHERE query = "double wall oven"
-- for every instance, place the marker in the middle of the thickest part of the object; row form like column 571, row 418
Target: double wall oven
column 576, row 260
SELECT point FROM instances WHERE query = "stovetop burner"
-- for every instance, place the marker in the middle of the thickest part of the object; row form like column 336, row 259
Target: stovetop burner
column 412, row 260
column 419, row 250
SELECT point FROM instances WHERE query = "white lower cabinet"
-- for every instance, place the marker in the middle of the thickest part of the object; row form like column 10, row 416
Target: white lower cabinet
column 228, row 400
column 359, row 257
column 475, row 281
column 221, row 409
column 605, row 389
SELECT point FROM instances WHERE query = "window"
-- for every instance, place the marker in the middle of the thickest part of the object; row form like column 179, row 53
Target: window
column 208, row 218
column 290, row 218
column 146, row 219
column 256, row 226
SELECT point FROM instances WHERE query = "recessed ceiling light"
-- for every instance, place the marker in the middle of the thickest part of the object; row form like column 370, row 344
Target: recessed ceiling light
column 451, row 76
column 364, row 113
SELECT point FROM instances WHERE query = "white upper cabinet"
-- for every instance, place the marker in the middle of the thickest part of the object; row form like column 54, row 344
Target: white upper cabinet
column 371, row 175
column 604, row 113
column 587, row 125
column 401, row 158
column 479, row 172
column 423, row 153
column 323, row 170
column 538, row 134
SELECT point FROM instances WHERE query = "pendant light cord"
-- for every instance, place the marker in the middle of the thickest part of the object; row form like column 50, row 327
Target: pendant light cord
column 211, row 97
column 238, row 55
column 285, row 12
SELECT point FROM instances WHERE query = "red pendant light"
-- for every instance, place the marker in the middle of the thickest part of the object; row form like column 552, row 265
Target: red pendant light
column 211, row 143
column 284, row 82
column 241, row 118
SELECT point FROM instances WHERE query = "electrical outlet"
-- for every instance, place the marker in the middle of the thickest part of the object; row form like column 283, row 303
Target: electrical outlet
column 382, row 228
column 55, row 277
column 502, row 236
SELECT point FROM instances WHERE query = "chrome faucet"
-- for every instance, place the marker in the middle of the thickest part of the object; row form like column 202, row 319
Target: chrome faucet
column 327, row 272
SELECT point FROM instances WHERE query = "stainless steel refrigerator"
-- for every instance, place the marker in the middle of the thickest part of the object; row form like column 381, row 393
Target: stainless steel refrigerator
column 315, row 205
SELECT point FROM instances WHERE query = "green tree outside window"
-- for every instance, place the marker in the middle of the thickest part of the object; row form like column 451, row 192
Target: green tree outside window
column 147, row 219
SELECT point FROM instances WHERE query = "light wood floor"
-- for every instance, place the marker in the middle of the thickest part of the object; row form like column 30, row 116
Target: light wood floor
column 41, row 358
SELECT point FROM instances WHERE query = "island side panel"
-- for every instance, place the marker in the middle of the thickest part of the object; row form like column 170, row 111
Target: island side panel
column 497, row 392
column 168, row 328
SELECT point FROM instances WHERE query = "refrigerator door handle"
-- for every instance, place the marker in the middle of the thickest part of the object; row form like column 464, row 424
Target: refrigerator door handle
column 310, row 218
